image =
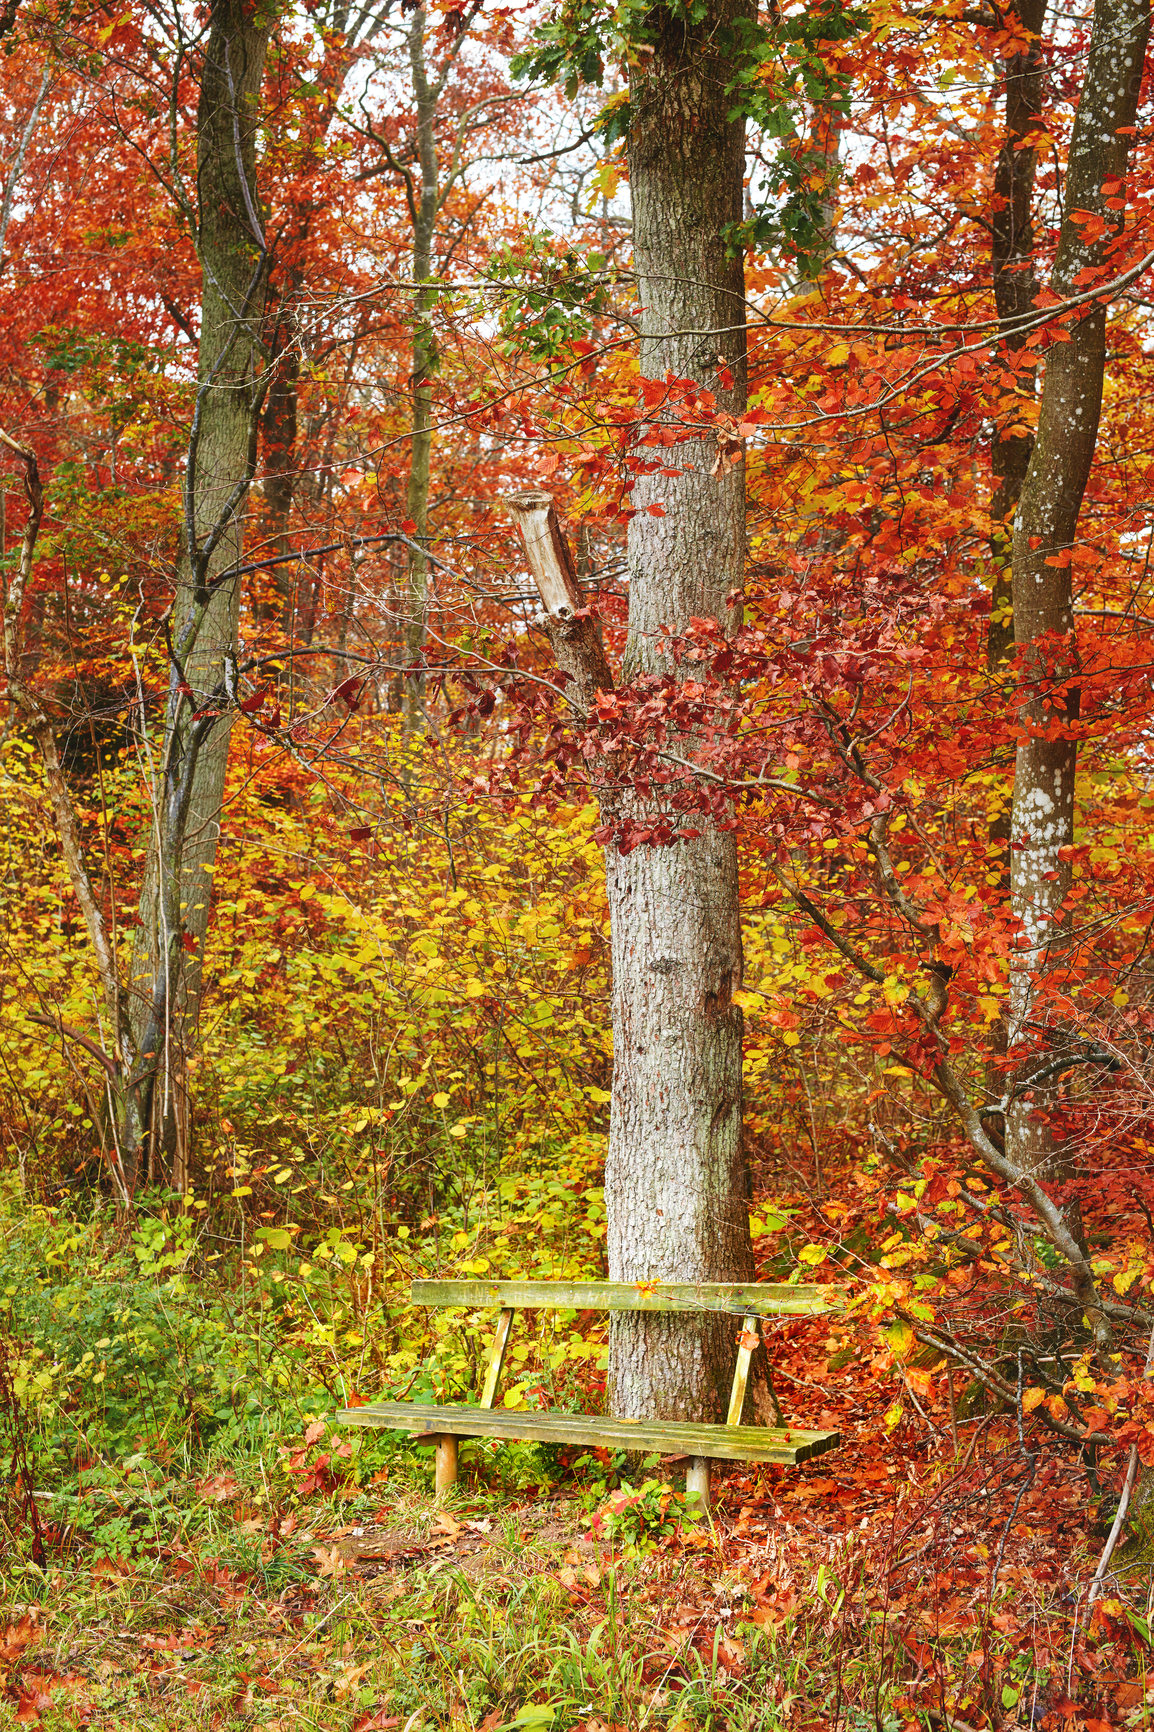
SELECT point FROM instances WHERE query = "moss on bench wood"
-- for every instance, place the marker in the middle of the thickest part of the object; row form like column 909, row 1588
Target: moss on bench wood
column 763, row 1298
column 666, row 1437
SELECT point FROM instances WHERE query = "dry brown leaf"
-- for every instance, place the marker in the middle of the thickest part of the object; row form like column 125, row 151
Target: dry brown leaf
column 16, row 1638
column 219, row 1487
column 329, row 1561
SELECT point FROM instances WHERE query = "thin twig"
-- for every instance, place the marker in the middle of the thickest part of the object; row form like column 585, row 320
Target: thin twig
column 1099, row 1580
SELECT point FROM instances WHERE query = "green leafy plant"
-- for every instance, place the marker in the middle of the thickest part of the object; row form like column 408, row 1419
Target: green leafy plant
column 638, row 1519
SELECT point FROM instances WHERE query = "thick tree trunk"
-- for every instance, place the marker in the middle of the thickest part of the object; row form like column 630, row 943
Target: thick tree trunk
column 1042, row 822
column 221, row 460
column 676, row 1176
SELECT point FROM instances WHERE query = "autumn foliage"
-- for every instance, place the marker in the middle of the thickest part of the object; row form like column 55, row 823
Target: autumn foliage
column 387, row 1047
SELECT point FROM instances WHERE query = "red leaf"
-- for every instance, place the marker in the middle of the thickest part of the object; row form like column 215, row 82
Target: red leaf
column 655, row 510
column 349, row 691
column 253, row 702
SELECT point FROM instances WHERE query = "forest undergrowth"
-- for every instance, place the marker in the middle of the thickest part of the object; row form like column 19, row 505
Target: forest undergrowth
column 190, row 1540
column 404, row 1073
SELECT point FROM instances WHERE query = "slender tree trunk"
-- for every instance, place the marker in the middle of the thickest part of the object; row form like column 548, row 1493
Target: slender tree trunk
column 221, row 461
column 117, row 1053
column 1042, row 822
column 425, row 206
column 279, row 426
column 1015, row 287
column 675, row 1179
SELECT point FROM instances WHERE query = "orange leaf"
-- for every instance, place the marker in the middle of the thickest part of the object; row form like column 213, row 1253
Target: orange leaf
column 16, row 1638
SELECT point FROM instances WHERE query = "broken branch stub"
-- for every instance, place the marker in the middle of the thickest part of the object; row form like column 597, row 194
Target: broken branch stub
column 573, row 631
column 547, row 552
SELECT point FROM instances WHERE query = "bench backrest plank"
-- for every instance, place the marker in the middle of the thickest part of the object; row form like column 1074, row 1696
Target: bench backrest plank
column 760, row 1299
column 746, row 1342
column 496, row 1358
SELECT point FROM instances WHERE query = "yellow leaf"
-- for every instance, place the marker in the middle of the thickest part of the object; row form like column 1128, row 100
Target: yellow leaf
column 441, row 1100
column 901, row 1339
column 812, row 1254
column 474, row 989
column 1032, row 1398
column 893, row 1416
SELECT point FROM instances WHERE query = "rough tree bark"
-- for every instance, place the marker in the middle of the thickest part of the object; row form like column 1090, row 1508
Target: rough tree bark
column 221, row 460
column 1042, row 821
column 676, row 1176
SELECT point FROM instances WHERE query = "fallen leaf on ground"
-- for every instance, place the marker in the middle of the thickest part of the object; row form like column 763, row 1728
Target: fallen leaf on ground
column 16, row 1638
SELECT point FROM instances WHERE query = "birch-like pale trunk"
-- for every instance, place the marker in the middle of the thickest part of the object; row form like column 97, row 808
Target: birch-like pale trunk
column 167, row 965
column 676, row 1174
column 1042, row 820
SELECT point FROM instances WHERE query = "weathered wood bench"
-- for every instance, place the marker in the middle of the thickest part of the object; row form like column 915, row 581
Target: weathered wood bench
column 729, row 1442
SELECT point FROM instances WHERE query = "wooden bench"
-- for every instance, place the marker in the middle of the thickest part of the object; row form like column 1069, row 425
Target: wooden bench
column 729, row 1442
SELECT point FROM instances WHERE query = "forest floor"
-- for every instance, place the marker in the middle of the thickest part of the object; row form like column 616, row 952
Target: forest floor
column 896, row 1583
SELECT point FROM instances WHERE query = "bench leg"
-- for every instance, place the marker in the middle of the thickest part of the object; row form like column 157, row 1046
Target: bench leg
column 446, row 1462
column 697, row 1480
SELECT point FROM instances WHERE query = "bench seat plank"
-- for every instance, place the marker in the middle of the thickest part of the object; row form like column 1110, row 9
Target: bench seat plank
column 762, row 1298
column 666, row 1437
